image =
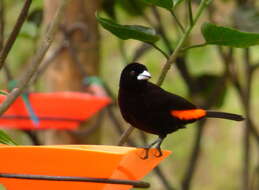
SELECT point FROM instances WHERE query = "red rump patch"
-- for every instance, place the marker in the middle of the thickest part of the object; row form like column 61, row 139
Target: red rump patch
column 188, row 114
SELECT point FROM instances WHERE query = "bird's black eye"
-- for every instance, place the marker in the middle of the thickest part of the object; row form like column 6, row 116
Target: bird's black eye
column 132, row 73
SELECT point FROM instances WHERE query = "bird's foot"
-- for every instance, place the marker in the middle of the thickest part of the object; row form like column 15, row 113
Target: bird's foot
column 158, row 152
column 158, row 147
column 146, row 153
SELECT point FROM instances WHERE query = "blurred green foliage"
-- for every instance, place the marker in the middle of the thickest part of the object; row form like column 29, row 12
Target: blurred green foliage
column 2, row 187
column 219, row 165
column 5, row 139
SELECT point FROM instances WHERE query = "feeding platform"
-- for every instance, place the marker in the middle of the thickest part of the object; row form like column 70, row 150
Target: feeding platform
column 80, row 167
column 57, row 110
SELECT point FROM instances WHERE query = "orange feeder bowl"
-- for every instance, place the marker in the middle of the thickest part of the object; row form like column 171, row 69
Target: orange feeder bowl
column 110, row 164
column 59, row 110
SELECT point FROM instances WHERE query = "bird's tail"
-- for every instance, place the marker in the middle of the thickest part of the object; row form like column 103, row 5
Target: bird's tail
column 225, row 115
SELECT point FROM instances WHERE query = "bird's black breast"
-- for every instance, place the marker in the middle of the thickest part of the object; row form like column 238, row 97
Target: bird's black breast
column 149, row 109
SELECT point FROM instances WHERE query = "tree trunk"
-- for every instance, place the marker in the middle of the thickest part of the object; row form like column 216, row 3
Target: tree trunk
column 64, row 74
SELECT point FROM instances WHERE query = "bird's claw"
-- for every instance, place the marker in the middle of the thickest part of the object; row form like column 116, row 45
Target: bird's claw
column 158, row 150
column 158, row 153
column 157, row 147
column 146, row 152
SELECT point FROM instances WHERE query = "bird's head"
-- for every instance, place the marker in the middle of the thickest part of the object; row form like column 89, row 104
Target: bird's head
column 134, row 74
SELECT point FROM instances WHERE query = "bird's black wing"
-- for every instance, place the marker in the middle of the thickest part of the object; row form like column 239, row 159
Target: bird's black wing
column 174, row 105
column 168, row 100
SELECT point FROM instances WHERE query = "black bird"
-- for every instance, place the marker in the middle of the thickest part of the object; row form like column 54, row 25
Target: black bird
column 148, row 107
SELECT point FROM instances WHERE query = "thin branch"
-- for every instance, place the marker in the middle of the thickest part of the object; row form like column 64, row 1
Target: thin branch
column 74, row 56
column 227, row 59
column 244, row 93
column 196, row 150
column 194, row 46
column 190, row 11
column 248, row 81
column 246, row 157
column 160, row 50
column 13, row 36
column 87, row 131
column 161, row 30
column 117, row 124
column 246, row 137
column 192, row 164
column 33, row 137
column 231, row 69
column 8, row 74
column 124, row 137
column 162, row 177
column 174, row 55
column 46, row 63
column 2, row 24
column 254, row 131
column 177, row 21
column 254, row 179
column 44, row 46
column 64, row 44
column 180, row 61
column 254, row 67
column 142, row 13
column 140, row 51
column 123, row 52
column 189, row 80
column 234, row 79
column 2, row 28
column 31, row 134
column 143, row 137
column 247, row 97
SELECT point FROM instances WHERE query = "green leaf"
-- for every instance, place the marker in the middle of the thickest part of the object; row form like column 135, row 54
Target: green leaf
column 167, row 4
column 132, row 7
column 126, row 32
column 5, row 139
column 176, row 2
column 225, row 36
column 3, row 92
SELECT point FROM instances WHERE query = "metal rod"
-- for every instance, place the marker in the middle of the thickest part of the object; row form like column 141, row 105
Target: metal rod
column 21, row 117
column 138, row 184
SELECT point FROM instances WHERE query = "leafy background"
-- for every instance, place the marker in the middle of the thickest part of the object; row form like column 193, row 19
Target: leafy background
column 220, row 160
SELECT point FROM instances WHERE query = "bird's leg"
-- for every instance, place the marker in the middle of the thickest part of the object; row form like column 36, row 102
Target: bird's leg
column 159, row 140
column 158, row 146
column 147, row 148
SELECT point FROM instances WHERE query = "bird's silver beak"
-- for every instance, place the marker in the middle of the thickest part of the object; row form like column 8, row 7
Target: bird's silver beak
column 145, row 75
